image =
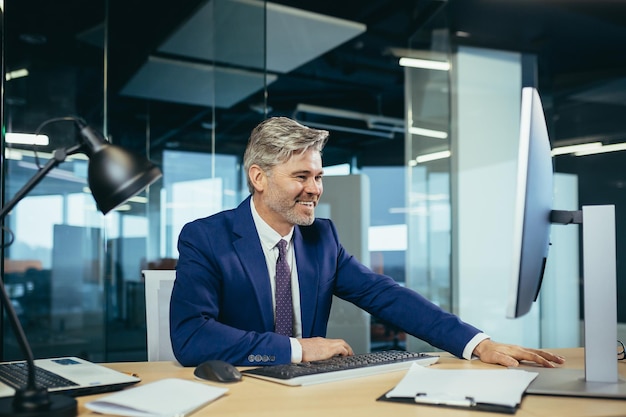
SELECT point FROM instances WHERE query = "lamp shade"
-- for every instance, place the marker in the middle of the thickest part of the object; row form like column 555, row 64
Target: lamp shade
column 114, row 174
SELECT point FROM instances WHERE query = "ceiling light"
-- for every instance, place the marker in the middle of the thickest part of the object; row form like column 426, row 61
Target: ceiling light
column 123, row 207
column 12, row 154
column 138, row 199
column 11, row 75
column 561, row 150
column 432, row 156
column 26, row 139
column 388, row 135
column 603, row 149
column 438, row 134
column 377, row 125
column 386, row 126
column 425, row 63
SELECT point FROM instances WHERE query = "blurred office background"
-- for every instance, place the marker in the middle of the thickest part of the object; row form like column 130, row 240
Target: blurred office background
column 434, row 149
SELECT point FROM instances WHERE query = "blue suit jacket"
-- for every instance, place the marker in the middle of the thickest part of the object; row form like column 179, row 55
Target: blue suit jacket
column 221, row 305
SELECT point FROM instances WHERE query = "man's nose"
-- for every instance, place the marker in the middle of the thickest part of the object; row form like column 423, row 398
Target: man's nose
column 313, row 187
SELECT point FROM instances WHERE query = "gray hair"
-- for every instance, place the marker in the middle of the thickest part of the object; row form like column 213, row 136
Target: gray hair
column 277, row 139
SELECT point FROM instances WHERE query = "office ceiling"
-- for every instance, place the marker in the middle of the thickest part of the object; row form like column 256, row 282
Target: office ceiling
column 323, row 55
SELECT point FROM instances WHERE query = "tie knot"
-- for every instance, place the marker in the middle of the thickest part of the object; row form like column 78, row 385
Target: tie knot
column 282, row 247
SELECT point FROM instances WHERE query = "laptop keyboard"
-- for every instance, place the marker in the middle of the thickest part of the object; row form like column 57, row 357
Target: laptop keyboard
column 15, row 375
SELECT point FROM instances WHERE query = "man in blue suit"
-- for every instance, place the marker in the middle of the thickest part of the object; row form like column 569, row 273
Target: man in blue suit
column 223, row 305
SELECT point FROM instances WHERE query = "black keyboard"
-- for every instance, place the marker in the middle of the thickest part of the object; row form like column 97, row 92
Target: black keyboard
column 341, row 367
column 15, row 375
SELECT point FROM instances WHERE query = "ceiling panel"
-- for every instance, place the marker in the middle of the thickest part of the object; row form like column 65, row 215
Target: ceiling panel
column 193, row 83
column 294, row 36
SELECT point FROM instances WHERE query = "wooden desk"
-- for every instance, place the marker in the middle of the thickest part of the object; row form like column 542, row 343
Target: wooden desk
column 357, row 397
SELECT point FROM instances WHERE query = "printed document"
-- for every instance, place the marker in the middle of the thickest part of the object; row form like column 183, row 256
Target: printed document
column 167, row 397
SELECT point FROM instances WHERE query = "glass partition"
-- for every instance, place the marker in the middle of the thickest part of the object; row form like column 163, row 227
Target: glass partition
column 185, row 85
column 428, row 191
column 197, row 65
column 55, row 239
column 155, row 79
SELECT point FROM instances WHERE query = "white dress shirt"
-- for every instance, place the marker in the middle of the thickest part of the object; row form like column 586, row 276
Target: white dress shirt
column 269, row 238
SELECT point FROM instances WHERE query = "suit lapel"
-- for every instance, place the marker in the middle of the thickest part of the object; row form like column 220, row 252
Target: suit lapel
column 248, row 247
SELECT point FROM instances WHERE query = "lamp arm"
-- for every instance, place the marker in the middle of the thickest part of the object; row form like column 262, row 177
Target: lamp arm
column 19, row 334
column 58, row 157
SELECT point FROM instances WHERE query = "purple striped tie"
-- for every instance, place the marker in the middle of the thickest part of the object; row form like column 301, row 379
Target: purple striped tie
column 284, row 306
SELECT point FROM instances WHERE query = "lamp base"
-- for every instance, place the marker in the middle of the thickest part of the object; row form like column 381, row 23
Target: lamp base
column 59, row 406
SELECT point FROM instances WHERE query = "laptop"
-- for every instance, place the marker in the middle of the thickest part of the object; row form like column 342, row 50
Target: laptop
column 78, row 376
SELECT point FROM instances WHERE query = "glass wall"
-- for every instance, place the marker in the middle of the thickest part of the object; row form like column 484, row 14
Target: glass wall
column 428, row 162
column 55, row 252
column 183, row 87
column 460, row 158
column 153, row 82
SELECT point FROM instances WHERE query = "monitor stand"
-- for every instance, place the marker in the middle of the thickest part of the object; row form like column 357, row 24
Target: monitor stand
column 600, row 377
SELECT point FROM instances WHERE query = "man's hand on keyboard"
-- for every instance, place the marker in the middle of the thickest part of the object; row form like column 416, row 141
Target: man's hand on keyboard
column 509, row 355
column 320, row 348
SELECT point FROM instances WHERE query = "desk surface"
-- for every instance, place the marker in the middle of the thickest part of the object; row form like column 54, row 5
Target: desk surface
column 357, row 397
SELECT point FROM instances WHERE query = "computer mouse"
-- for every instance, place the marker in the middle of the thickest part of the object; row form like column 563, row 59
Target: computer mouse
column 217, row 371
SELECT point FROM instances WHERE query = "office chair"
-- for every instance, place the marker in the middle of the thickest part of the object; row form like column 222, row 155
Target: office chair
column 159, row 285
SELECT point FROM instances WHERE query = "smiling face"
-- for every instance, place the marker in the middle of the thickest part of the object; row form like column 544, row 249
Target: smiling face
column 288, row 194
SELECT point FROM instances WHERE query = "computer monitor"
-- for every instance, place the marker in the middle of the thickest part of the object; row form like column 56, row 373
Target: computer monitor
column 533, row 205
column 534, row 217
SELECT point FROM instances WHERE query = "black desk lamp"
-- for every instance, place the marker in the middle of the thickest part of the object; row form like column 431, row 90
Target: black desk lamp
column 114, row 176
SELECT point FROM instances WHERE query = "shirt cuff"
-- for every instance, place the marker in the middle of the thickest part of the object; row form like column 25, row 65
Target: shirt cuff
column 296, row 350
column 471, row 345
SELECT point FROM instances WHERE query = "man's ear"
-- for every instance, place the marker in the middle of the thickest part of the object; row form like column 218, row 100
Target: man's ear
column 257, row 177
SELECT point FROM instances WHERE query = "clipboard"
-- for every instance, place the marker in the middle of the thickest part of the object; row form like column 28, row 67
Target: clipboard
column 464, row 403
column 492, row 390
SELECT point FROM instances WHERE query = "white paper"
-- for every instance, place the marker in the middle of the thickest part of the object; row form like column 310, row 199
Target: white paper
column 455, row 386
column 171, row 397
